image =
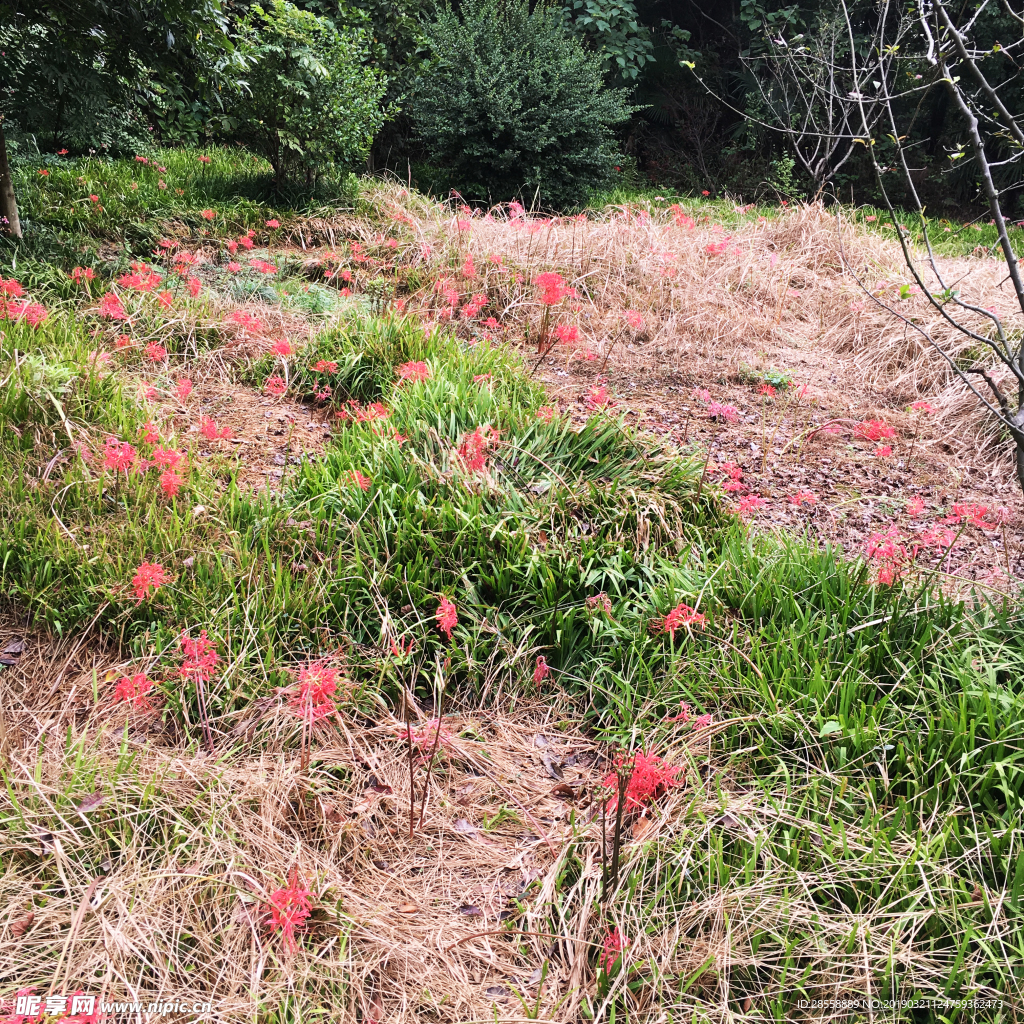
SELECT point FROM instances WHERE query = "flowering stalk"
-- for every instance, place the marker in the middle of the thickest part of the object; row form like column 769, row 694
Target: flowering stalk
column 433, row 750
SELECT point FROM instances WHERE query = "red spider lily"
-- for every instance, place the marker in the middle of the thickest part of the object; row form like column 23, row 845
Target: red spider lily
column 263, row 266
column 244, row 241
column 362, row 482
column 446, row 616
column 701, row 395
column 726, row 413
column 481, row 378
column 134, row 690
column 682, row 220
column 767, row 389
column 232, row 248
column 883, row 451
column 650, row 779
column 288, row 908
column 750, row 504
column 680, row 616
column 402, row 650
column 167, row 457
column 634, row 319
column 166, row 299
column 553, row 288
column 148, row 576
column 325, row 366
column 83, row 274
column 123, row 341
column 702, row 722
column 491, row 324
column 233, row 267
column 200, row 657
column 803, row 498
column 155, row 352
column 31, row 313
column 118, row 455
column 683, row 716
column 183, row 389
column 468, row 267
column 426, row 737
column 567, row 334
column 11, row 288
column 275, row 386
column 915, row 506
column 717, row 248
column 940, row 538
column 874, row 430
column 273, row 223
column 541, row 671
column 546, row 413
column 208, row 214
column 170, row 483
column 246, row 320
column 922, row 406
column 312, row 697
column 413, row 371
column 203, row 159
column 474, row 447
column 599, row 601
column 149, row 433
column 322, row 394
column 282, row 348
column 973, row 514
column 599, row 398
column 194, row 285
column 111, row 307
column 611, row 950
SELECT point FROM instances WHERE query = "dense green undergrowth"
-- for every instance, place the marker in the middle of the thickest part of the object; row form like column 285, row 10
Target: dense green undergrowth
column 868, row 759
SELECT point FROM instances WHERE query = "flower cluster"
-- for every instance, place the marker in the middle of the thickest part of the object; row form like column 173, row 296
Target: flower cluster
column 135, row 691
column 649, row 779
column 681, row 616
column 289, row 907
column 312, row 698
column 199, row 658
column 13, row 307
column 149, row 576
column 474, row 448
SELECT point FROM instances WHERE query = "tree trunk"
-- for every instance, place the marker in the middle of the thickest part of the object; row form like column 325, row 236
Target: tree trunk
column 9, row 221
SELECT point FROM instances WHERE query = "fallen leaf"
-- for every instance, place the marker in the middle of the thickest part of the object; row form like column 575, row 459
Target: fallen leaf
column 461, row 825
column 535, row 978
column 20, row 927
column 407, row 908
column 563, row 791
column 380, row 865
column 470, row 911
column 15, row 646
column 552, row 766
column 378, row 788
column 91, row 802
column 728, row 821
column 540, row 740
column 497, row 991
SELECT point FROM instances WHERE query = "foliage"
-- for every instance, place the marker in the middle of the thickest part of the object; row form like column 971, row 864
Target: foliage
column 613, row 28
column 308, row 101
column 511, row 105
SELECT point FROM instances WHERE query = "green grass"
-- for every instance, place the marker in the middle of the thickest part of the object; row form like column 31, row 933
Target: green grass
column 858, row 802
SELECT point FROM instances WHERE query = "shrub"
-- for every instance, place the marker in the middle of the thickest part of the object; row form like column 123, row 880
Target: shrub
column 308, row 100
column 511, row 103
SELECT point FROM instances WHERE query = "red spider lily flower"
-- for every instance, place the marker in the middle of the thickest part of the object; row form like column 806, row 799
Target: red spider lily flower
column 204, row 159
column 362, row 482
column 973, row 514
column 398, row 438
column 446, row 616
column 611, row 950
column 170, row 483
column 702, row 722
column 733, row 486
column 149, row 433
column 717, row 248
column 567, row 334
column 168, row 457
column 346, row 275
column 155, row 352
column 922, row 406
column 915, row 506
column 701, row 395
column 11, row 288
column 245, row 241
column 474, row 447
column 282, row 348
column 599, row 398
column 680, row 616
column 275, row 386
column 599, row 602
column 402, row 650
column 273, row 223
column 414, row 371
column 142, row 160
column 883, row 451
column 481, row 378
column 134, row 690
column 94, row 199
column 43, row 173
column 183, row 388
column 750, row 504
column 650, row 779
column 30, row 312
column 325, row 366
column 200, row 657
column 209, row 214
column 263, row 266
column 312, row 697
column 634, row 319
column 123, row 341
column 553, row 288
column 803, row 498
column 491, row 323
column 546, row 413
column 83, row 274
column 682, row 219
column 541, row 671
column 767, row 389
column 246, row 320
column 194, row 284
column 166, row 299
column 232, row 247
column 468, row 267
column 886, row 544
column 322, row 394
column 427, row 737
column 288, row 908
column 62, row 152
column 941, row 538
column 725, row 413
column 118, row 455
column 233, row 267
column 683, row 716
column 874, row 430
column 149, row 575
column 208, row 428
column 111, row 307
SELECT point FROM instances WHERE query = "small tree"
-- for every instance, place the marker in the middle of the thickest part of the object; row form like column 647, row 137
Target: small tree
column 309, row 100
column 866, row 93
column 510, row 103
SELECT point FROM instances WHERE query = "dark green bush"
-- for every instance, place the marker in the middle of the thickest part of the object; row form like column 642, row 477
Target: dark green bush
column 511, row 104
